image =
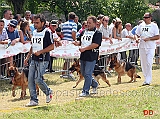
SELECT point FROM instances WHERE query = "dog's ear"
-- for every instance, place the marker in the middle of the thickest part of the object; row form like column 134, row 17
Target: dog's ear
column 8, row 71
column 15, row 69
column 75, row 59
column 78, row 61
column 14, row 64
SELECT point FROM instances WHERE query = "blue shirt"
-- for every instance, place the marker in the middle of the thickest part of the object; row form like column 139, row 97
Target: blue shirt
column 133, row 31
column 67, row 29
column 13, row 35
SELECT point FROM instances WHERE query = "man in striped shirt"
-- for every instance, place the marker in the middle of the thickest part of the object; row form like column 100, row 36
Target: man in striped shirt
column 69, row 29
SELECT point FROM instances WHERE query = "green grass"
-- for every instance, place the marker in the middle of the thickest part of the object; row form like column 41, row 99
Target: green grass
column 126, row 105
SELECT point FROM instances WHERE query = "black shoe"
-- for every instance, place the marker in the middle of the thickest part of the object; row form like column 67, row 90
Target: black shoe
column 51, row 70
column 145, row 84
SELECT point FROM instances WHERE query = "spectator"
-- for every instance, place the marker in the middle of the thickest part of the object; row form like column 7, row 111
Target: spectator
column 147, row 33
column 98, row 24
column 27, row 16
column 3, row 40
column 13, row 35
column 53, row 26
column 112, row 24
column 60, row 23
column 100, row 16
column 7, row 16
column 84, row 26
column 106, row 32
column 126, row 33
column 32, row 28
column 79, row 25
column 24, row 27
column 89, row 54
column 134, row 54
column 40, row 59
column 69, row 30
column 117, row 29
column 107, row 36
column 25, row 37
column 19, row 19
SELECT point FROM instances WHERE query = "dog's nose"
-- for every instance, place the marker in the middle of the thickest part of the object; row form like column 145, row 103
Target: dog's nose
column 12, row 73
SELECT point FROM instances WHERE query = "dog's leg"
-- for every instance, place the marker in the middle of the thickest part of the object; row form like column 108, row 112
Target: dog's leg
column 131, row 80
column 80, row 79
column 98, row 81
column 104, row 78
column 13, row 91
column 134, row 77
column 23, row 92
column 37, row 89
column 119, row 79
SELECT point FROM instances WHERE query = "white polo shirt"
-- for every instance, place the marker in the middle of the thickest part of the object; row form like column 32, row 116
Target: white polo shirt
column 145, row 31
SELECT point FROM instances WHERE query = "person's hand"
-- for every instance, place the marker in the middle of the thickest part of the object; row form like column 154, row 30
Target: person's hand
column 120, row 39
column 75, row 43
column 137, row 40
column 37, row 53
column 58, row 43
column 13, row 42
column 82, row 49
column 146, row 39
column 25, row 62
column 110, row 40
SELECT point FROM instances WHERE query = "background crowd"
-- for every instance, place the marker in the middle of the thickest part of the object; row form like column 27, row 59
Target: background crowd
column 19, row 28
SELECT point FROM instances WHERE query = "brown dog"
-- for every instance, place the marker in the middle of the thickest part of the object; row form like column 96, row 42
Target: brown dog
column 19, row 79
column 123, row 68
column 97, row 73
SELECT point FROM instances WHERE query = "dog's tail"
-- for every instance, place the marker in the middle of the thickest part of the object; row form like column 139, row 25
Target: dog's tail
column 138, row 76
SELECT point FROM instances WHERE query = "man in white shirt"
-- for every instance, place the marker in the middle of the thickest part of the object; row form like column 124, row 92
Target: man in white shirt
column 27, row 17
column 126, row 33
column 7, row 16
column 147, row 33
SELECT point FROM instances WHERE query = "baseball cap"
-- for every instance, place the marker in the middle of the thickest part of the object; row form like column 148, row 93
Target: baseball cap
column 54, row 22
column 13, row 22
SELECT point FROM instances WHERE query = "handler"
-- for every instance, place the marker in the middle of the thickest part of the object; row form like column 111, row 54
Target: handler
column 90, row 41
column 148, row 32
column 42, row 43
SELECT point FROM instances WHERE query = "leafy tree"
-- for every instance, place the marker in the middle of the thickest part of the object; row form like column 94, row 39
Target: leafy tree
column 130, row 10
column 153, row 1
column 18, row 5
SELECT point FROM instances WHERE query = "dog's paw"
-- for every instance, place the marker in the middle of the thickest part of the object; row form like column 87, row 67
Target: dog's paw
column 14, row 95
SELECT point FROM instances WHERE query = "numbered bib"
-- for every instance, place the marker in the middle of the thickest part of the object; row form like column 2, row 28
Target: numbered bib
column 37, row 40
column 86, row 39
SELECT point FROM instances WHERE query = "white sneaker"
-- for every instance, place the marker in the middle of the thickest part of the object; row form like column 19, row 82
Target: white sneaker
column 49, row 97
column 83, row 95
column 94, row 91
column 31, row 103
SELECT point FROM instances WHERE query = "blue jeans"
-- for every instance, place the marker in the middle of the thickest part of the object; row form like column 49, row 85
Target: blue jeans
column 36, row 71
column 87, row 68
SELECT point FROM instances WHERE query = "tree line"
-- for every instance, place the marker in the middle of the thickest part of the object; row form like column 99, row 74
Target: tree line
column 127, row 10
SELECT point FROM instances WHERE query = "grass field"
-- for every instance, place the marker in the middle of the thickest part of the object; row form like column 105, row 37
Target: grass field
column 120, row 101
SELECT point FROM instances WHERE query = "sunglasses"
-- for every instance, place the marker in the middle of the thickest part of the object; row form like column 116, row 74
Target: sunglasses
column 146, row 17
column 12, row 26
column 105, row 20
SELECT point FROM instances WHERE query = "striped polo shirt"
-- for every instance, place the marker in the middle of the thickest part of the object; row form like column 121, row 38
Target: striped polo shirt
column 67, row 29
